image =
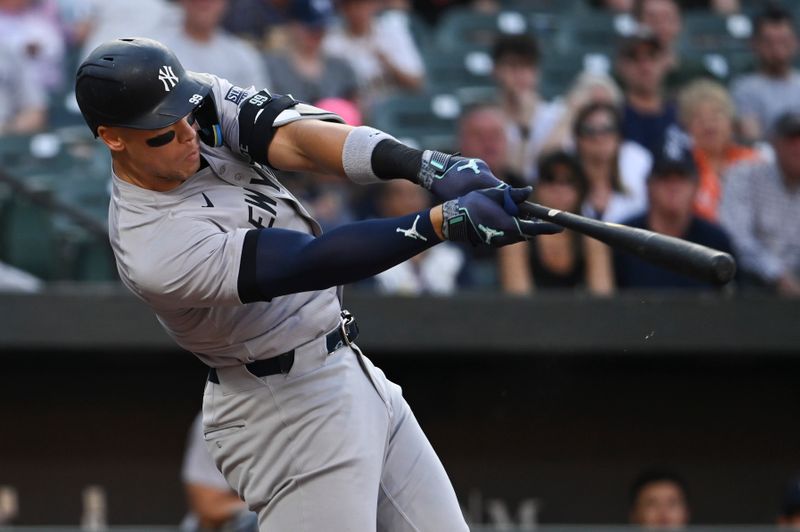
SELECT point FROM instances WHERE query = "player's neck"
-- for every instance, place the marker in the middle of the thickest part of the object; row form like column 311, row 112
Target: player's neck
column 129, row 172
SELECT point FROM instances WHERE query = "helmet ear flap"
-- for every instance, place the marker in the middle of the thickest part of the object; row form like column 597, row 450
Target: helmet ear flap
column 210, row 131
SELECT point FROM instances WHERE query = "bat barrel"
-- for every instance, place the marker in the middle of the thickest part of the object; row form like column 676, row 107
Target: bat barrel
column 694, row 260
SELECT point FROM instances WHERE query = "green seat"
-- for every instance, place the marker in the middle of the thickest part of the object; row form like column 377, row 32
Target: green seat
column 594, row 32
column 28, row 239
column 89, row 257
column 558, row 71
column 424, row 120
column 456, row 70
column 460, row 28
column 709, row 33
column 555, row 7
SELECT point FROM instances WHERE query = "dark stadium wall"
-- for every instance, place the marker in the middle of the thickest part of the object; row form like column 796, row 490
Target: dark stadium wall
column 571, row 432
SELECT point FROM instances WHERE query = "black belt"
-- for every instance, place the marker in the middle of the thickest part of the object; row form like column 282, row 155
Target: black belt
column 345, row 334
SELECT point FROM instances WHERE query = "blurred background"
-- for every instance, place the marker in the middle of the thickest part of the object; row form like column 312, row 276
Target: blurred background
column 564, row 385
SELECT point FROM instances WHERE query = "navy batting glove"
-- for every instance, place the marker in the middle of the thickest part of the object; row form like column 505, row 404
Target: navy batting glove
column 450, row 176
column 490, row 217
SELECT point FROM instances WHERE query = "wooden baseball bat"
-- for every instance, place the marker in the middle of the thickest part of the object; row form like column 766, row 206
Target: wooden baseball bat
column 688, row 258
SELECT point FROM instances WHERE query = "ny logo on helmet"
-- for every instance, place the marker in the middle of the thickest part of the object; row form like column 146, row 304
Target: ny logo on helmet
column 167, row 77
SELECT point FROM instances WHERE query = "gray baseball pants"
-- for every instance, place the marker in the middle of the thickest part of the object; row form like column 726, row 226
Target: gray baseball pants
column 321, row 450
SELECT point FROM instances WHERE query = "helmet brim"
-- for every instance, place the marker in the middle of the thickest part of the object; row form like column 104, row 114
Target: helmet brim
column 182, row 99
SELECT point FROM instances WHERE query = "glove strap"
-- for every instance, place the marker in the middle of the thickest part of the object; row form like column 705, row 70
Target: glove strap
column 456, row 224
column 434, row 164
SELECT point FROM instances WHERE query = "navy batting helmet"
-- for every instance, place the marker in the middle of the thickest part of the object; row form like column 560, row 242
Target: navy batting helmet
column 136, row 83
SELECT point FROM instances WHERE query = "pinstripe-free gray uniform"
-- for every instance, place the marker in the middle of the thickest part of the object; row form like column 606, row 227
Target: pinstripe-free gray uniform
column 319, row 448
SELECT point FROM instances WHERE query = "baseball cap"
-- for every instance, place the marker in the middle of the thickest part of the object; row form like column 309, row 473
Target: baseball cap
column 312, row 13
column 642, row 35
column 674, row 157
column 791, row 498
column 787, row 124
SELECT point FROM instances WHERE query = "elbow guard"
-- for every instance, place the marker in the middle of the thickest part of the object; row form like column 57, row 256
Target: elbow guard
column 257, row 123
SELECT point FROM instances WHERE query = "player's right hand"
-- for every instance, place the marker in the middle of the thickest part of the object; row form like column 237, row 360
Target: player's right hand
column 491, row 217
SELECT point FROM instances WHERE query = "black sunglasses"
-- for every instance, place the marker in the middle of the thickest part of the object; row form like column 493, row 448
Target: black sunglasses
column 166, row 138
column 594, row 131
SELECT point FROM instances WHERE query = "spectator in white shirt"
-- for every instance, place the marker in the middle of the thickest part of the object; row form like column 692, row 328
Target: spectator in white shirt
column 379, row 48
column 23, row 102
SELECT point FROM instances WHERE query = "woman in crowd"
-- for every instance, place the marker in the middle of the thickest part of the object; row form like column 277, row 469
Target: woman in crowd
column 567, row 260
column 616, row 171
column 588, row 88
column 706, row 111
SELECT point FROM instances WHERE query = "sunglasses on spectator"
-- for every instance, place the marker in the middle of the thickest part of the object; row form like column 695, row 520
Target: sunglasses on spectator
column 165, row 138
column 637, row 56
column 595, row 131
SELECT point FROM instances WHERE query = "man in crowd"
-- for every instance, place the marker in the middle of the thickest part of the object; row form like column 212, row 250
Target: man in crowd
column 760, row 209
column 659, row 500
column 642, row 66
column 671, row 189
column 665, row 19
column 204, row 46
column 775, row 87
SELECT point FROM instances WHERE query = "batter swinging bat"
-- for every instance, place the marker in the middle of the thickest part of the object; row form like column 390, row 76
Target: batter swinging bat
column 684, row 257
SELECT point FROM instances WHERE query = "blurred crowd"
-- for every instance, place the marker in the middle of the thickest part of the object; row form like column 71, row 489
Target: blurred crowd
column 642, row 134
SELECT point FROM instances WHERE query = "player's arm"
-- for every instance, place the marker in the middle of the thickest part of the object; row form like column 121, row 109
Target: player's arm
column 276, row 262
column 213, row 506
column 288, row 135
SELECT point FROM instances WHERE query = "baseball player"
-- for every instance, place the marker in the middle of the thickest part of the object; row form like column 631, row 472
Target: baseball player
column 309, row 433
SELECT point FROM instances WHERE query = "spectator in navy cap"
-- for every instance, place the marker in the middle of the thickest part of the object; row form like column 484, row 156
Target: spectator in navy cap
column 671, row 189
column 790, row 511
column 303, row 69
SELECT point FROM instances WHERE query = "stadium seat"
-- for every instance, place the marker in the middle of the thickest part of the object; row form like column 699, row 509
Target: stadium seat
column 558, row 71
column 458, row 70
column 464, row 27
column 424, row 120
column 92, row 259
column 594, row 32
column 542, row 6
column 709, row 33
column 28, row 238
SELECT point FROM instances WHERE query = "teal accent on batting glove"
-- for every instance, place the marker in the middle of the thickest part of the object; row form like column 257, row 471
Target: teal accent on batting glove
column 489, row 217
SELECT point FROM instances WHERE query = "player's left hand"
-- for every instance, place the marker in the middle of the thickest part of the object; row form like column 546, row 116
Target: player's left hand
column 491, row 217
column 450, row 176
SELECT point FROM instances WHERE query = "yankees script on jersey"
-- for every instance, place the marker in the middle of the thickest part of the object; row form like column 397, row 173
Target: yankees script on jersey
column 180, row 251
column 329, row 443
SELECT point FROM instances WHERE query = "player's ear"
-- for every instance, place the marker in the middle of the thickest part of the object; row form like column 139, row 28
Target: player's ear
column 111, row 137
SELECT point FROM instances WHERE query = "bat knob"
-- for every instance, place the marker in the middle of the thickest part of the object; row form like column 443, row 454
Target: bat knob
column 724, row 268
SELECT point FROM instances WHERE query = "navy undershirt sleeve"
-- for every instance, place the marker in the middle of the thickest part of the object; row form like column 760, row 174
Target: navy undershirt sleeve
column 277, row 262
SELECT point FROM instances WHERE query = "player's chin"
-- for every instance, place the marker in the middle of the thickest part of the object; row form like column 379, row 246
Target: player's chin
column 190, row 165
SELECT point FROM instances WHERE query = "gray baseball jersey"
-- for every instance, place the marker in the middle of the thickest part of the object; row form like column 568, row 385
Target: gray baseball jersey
column 180, row 250
column 329, row 445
